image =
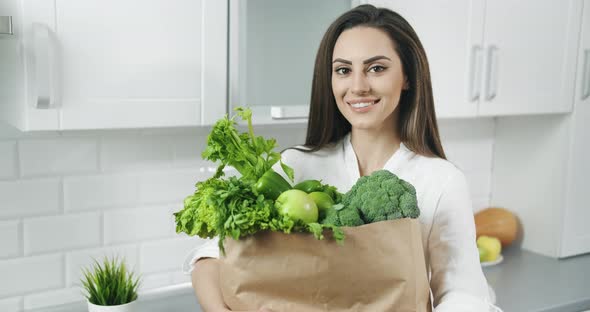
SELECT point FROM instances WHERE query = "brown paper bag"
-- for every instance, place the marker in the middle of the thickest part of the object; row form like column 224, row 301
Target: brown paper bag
column 380, row 267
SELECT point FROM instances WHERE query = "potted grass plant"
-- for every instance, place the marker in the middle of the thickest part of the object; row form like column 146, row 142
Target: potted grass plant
column 110, row 287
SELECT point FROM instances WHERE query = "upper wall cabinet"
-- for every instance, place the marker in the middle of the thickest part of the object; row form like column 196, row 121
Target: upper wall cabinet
column 114, row 64
column 497, row 57
column 272, row 52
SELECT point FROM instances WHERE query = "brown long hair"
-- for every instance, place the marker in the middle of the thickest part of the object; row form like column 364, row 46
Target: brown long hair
column 417, row 120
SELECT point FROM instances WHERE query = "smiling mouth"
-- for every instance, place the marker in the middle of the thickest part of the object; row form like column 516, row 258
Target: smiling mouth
column 363, row 104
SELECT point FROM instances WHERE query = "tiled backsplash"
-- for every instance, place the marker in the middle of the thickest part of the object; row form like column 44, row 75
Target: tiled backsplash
column 69, row 197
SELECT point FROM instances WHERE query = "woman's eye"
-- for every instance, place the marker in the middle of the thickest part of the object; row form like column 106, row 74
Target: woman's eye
column 377, row 69
column 342, row 71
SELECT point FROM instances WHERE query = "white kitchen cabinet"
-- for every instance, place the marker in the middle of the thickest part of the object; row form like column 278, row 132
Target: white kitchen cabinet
column 530, row 56
column 497, row 57
column 576, row 232
column 116, row 64
column 541, row 168
column 273, row 45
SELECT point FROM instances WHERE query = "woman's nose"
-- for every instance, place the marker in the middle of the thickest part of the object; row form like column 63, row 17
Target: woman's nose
column 360, row 84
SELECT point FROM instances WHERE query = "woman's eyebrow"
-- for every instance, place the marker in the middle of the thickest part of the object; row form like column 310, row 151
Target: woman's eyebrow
column 376, row 58
column 367, row 61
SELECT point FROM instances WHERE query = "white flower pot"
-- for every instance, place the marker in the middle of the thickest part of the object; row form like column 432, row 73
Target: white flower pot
column 128, row 307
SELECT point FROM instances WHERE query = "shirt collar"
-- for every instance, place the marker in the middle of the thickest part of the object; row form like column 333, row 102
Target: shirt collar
column 351, row 161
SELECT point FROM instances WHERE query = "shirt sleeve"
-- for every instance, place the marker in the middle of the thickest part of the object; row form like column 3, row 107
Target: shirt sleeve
column 209, row 249
column 457, row 280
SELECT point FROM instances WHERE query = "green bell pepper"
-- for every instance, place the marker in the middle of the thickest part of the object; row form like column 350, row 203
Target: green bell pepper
column 271, row 185
column 309, row 186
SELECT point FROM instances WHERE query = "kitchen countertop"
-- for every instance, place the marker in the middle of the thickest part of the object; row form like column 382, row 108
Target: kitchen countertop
column 523, row 282
column 529, row 282
column 177, row 298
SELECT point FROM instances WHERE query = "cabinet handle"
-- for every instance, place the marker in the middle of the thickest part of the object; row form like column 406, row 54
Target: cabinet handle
column 6, row 25
column 586, row 76
column 289, row 112
column 44, row 66
column 475, row 76
column 492, row 73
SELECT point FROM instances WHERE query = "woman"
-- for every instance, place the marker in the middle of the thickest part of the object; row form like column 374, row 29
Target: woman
column 372, row 108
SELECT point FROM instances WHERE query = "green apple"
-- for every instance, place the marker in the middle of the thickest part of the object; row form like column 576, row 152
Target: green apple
column 297, row 205
column 322, row 200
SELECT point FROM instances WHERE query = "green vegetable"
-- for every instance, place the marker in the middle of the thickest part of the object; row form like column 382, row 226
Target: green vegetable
column 347, row 216
column 317, row 230
column 309, row 186
column 330, row 216
column 333, row 192
column 241, row 212
column 297, row 205
column 323, row 201
column 224, row 207
column 271, row 185
column 382, row 196
column 350, row 217
column 199, row 216
column 238, row 207
column 251, row 155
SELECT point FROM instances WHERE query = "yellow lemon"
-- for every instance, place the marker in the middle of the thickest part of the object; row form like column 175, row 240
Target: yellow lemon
column 489, row 248
column 483, row 254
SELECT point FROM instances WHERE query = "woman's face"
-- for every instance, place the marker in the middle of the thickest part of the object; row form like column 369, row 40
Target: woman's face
column 367, row 78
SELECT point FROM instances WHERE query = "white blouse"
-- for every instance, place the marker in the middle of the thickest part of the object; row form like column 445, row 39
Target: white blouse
column 448, row 230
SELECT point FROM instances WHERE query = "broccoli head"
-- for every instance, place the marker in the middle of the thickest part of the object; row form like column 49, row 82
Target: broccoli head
column 346, row 216
column 349, row 216
column 329, row 216
column 382, row 196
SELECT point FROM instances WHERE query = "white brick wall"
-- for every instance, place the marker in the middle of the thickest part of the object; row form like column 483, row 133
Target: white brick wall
column 30, row 274
column 8, row 166
column 57, row 156
column 9, row 239
column 469, row 144
column 166, row 255
column 63, row 232
column 116, row 152
column 151, row 281
column 132, row 225
column 68, row 198
column 100, row 191
column 169, row 186
column 29, row 197
column 11, row 304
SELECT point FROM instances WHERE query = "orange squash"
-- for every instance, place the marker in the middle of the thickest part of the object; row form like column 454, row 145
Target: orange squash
column 497, row 222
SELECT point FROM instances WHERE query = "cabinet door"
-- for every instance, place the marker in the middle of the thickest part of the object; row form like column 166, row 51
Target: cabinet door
column 576, row 238
column 530, row 49
column 137, row 63
column 451, row 33
column 273, row 45
column 14, row 104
